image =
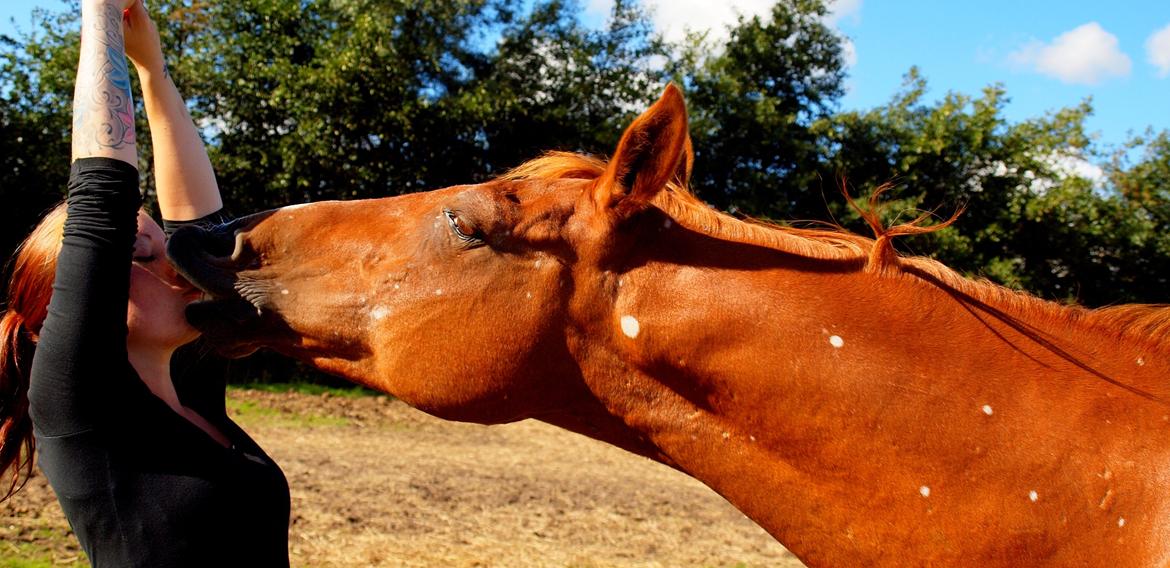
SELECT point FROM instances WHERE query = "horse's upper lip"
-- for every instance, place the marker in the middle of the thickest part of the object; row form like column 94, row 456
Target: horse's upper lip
column 197, row 255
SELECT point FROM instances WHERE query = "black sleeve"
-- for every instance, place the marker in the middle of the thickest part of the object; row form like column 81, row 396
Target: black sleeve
column 82, row 344
column 206, row 222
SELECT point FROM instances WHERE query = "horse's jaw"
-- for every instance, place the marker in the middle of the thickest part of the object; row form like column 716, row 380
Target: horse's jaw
column 221, row 321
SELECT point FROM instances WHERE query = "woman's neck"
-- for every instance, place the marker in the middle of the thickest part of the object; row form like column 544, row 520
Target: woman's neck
column 154, row 368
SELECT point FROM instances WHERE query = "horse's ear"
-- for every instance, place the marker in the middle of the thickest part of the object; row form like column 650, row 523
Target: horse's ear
column 652, row 151
column 686, row 164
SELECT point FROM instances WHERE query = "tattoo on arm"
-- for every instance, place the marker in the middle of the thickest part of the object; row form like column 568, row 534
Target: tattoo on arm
column 103, row 108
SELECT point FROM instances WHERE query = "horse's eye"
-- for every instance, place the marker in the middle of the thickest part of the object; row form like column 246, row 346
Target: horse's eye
column 462, row 228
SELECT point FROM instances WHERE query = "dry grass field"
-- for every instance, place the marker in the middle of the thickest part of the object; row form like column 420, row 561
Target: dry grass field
column 376, row 483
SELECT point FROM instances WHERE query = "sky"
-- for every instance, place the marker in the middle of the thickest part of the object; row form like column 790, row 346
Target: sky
column 1047, row 54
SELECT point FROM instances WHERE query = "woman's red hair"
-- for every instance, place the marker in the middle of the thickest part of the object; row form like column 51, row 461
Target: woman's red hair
column 33, row 268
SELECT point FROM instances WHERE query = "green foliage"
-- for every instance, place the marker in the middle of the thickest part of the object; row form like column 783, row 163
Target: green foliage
column 36, row 90
column 363, row 98
column 311, row 388
column 1030, row 220
column 251, row 414
column 752, row 106
column 41, row 554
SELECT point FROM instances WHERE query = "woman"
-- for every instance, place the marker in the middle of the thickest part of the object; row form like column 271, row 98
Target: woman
column 143, row 479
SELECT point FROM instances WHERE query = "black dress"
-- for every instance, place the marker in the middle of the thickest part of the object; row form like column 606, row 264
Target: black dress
column 140, row 484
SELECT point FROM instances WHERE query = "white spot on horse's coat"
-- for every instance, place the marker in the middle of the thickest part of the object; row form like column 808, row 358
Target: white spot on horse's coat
column 1121, row 522
column 987, row 409
column 630, row 326
column 924, row 491
column 836, row 341
column 752, row 438
column 619, row 282
column 528, row 295
column 379, row 313
column 726, row 435
column 1033, row 496
column 1141, row 361
column 438, row 291
column 284, row 292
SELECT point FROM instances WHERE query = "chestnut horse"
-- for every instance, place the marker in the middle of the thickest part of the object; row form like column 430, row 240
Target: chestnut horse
column 864, row 408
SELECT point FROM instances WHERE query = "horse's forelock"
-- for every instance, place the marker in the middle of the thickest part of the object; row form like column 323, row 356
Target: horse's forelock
column 556, row 166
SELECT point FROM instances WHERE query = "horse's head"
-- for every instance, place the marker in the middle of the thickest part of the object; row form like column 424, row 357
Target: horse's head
column 445, row 298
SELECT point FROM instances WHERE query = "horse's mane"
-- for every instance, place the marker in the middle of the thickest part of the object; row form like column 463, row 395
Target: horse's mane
column 1151, row 322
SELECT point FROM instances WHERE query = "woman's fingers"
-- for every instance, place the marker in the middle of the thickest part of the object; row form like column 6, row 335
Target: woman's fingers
column 142, row 42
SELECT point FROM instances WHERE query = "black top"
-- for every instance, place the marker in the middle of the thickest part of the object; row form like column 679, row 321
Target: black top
column 140, row 484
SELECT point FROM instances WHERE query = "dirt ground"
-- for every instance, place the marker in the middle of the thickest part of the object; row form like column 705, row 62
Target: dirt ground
column 376, row 483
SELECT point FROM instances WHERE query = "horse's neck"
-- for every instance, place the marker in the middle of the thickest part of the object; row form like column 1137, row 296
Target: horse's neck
column 771, row 381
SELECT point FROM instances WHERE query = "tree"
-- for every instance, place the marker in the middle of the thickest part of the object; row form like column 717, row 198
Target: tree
column 553, row 84
column 752, row 109
column 1031, row 221
column 34, row 131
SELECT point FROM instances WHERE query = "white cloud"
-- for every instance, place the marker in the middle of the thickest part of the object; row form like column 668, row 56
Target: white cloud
column 1072, row 164
column 848, row 51
column 1158, row 50
column 674, row 18
column 840, row 10
column 1065, row 164
column 1085, row 55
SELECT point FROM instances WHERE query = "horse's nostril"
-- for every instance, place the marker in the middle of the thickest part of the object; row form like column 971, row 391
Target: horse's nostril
column 241, row 252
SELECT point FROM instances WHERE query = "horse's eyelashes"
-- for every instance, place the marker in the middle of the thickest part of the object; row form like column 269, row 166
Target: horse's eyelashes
column 462, row 228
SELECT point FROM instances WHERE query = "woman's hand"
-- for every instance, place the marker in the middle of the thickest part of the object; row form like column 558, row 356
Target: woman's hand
column 143, row 46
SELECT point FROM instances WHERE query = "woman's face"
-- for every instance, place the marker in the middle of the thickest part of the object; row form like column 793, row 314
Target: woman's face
column 158, row 295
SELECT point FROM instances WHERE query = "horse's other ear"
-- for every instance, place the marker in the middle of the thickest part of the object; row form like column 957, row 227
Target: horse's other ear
column 654, row 149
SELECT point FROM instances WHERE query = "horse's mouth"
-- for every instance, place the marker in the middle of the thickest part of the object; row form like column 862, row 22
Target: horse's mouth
column 229, row 325
column 209, row 259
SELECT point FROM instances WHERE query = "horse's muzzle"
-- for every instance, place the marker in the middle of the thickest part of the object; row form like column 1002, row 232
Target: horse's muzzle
column 204, row 257
column 211, row 259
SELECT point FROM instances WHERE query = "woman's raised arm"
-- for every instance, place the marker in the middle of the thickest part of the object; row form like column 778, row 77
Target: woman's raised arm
column 185, row 181
column 103, row 109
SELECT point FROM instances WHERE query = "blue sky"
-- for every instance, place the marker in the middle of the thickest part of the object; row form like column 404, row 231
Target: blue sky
column 1047, row 54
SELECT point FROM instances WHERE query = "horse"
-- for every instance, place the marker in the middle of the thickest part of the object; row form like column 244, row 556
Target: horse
column 863, row 407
